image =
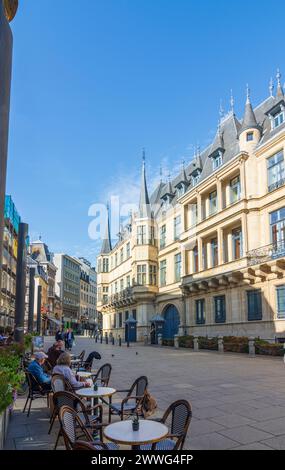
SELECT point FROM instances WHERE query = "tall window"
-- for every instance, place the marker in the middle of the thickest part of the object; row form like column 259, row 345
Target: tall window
column 121, row 284
column 163, row 272
column 116, row 260
column 195, row 178
column 177, row 267
column 193, row 214
column 128, row 281
column 128, row 250
column 237, row 243
column 214, row 251
column 235, row 190
column 105, row 265
column 254, row 305
column 122, row 255
column 162, row 236
column 116, row 287
column 217, row 160
column 126, row 315
column 120, row 322
column 277, row 119
column 200, row 311
column 134, row 313
column 152, row 275
column 212, row 202
column 141, row 274
column 276, row 171
column 277, row 223
column 141, row 235
column 152, row 235
column 220, row 309
column 280, row 291
column 177, row 227
column 195, row 260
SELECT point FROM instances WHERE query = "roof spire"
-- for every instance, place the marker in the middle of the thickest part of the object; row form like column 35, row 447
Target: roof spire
column 106, row 244
column 249, row 119
column 144, row 205
column 161, row 173
column 221, row 110
column 271, row 86
column 279, row 93
column 232, row 102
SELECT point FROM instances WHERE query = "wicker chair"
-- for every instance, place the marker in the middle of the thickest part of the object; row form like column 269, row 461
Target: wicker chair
column 82, row 445
column 178, row 417
column 72, row 425
column 103, row 375
column 92, row 422
column 87, row 364
column 36, row 390
column 60, row 384
column 132, row 403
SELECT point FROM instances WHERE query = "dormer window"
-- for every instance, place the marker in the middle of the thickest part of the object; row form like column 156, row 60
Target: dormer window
column 217, row 160
column 180, row 190
column 278, row 119
column 276, row 115
column 195, row 179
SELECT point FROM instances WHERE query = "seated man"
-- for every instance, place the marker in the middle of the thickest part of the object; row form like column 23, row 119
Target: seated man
column 36, row 369
column 54, row 352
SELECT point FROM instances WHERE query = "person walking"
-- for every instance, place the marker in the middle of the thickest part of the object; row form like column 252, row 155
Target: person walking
column 69, row 339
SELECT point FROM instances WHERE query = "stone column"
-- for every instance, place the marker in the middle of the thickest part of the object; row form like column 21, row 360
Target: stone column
column 21, row 282
column 228, row 197
column 230, row 246
column 200, row 254
column 251, row 346
column 176, row 341
column 196, row 344
column 159, row 340
column 199, row 208
column 6, row 45
column 220, row 246
column 221, row 344
column 219, row 195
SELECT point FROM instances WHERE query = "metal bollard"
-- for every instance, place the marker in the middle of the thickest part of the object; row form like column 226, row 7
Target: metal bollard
column 106, row 337
column 120, row 341
column 113, row 340
column 96, row 339
column 101, row 339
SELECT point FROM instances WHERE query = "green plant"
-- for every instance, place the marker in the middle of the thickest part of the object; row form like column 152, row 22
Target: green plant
column 168, row 342
column 237, row 344
column 271, row 349
column 208, row 343
column 11, row 377
column 186, row 342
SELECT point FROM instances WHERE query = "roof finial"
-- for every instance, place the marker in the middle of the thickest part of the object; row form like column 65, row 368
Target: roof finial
column 169, row 176
column 278, row 76
column 271, row 86
column 183, row 164
column 143, row 155
column 232, row 102
column 247, row 94
column 221, row 110
column 161, row 173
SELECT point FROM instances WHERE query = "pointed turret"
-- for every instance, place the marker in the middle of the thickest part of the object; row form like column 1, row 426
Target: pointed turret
column 249, row 119
column 106, row 244
column 218, row 144
column 144, row 205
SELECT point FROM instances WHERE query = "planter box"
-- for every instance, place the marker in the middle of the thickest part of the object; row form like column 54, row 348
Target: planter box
column 4, row 423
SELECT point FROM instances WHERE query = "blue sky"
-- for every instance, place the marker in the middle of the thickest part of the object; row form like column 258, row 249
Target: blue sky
column 94, row 81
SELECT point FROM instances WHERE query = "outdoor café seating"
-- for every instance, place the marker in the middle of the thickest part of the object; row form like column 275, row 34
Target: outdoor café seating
column 73, row 428
column 133, row 401
column 177, row 417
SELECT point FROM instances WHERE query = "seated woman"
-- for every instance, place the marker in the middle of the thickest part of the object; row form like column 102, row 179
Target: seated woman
column 63, row 368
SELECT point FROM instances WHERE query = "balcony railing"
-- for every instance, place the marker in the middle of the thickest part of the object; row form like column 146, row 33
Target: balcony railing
column 266, row 253
column 276, row 185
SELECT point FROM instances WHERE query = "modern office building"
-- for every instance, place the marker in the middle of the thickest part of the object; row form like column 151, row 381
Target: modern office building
column 205, row 253
column 9, row 263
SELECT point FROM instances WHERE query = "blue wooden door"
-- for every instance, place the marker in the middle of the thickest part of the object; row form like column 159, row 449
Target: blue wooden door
column 131, row 332
column 172, row 322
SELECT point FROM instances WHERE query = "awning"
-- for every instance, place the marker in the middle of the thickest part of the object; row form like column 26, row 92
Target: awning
column 54, row 320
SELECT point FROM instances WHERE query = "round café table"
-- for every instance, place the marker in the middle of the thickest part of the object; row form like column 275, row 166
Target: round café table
column 95, row 395
column 149, row 432
column 83, row 374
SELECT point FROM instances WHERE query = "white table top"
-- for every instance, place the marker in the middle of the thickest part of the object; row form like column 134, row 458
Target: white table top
column 91, row 393
column 83, row 374
column 148, row 433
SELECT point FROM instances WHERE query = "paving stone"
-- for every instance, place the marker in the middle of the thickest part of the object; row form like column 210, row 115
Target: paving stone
column 232, row 421
column 273, row 426
column 213, row 441
column 277, row 443
column 245, row 434
column 204, row 426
